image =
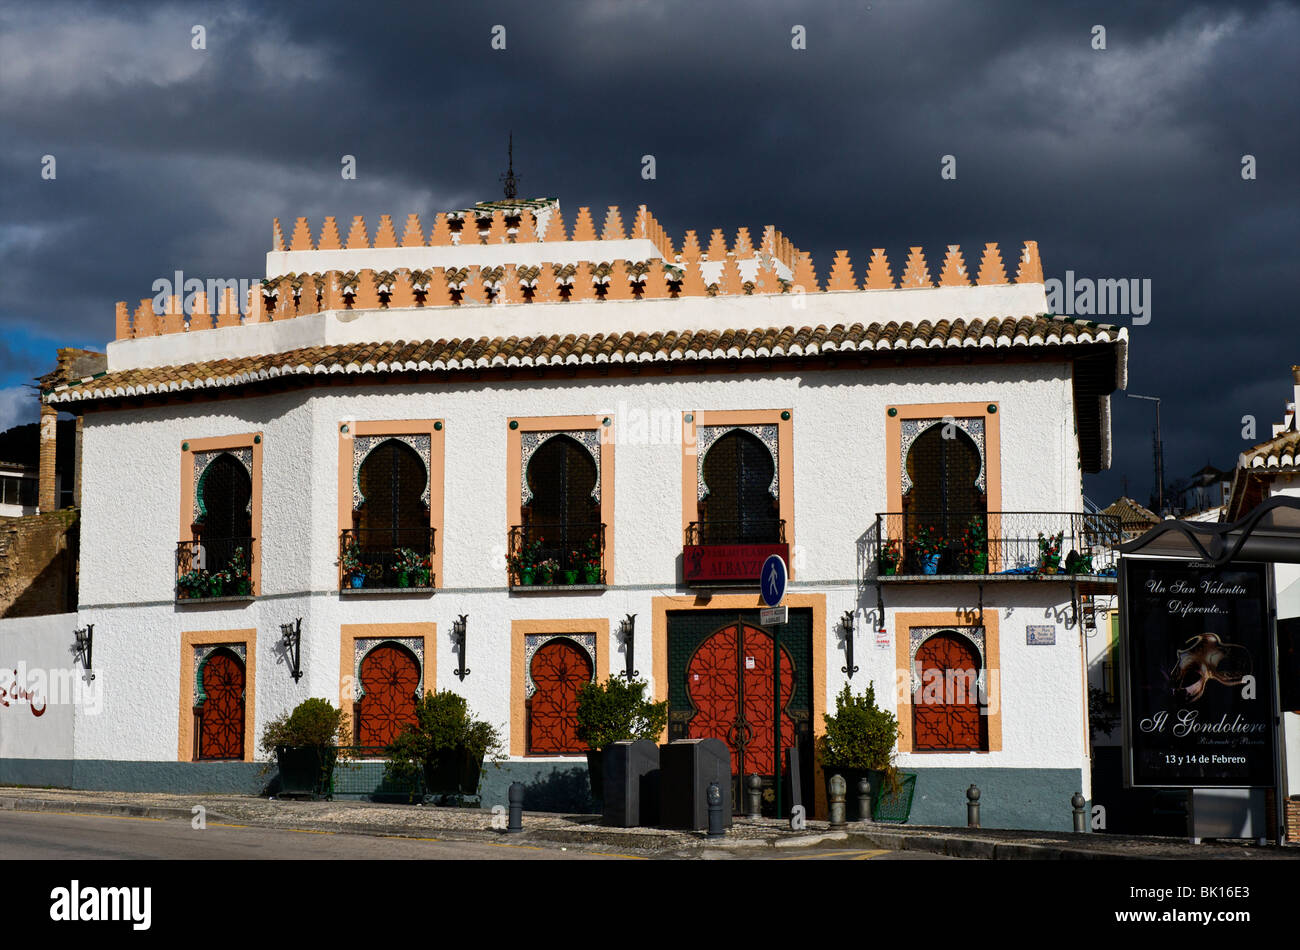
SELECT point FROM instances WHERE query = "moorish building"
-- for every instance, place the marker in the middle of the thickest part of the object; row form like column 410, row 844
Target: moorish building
column 555, row 441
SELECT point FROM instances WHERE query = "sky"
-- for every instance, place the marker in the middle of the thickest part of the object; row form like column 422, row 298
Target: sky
column 1123, row 162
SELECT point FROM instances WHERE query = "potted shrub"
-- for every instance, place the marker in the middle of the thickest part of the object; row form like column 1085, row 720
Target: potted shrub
column 305, row 744
column 859, row 743
column 546, row 570
column 353, row 569
column 591, row 560
column 1049, row 552
column 615, row 711
column 972, row 547
column 218, row 584
column 524, row 564
column 891, row 555
column 239, row 577
column 928, row 545
column 407, row 563
column 446, row 744
column 194, row 584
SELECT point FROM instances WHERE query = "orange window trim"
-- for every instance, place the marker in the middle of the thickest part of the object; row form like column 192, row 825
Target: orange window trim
column 249, row 440
column 197, row 638
column 515, row 474
column 904, row 621
column 347, row 474
column 519, row 629
column 785, row 462
column 937, row 410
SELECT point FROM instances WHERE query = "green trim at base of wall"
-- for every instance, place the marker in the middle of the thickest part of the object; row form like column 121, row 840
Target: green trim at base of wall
column 1027, row 799
column 108, row 775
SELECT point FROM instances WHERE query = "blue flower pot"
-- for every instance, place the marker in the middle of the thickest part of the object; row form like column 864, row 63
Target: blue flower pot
column 930, row 565
column 358, row 580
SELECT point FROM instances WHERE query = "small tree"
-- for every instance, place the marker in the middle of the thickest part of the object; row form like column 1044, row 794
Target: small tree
column 860, row 735
column 443, row 724
column 617, row 710
column 313, row 723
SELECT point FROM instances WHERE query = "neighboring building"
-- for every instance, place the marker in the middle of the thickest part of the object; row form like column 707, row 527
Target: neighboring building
column 17, row 490
column 406, row 431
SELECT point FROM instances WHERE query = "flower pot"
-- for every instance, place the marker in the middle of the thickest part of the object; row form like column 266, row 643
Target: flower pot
column 403, row 579
column 421, row 578
column 217, row 587
column 1049, row 564
column 452, row 772
column 243, row 587
column 591, row 575
column 930, row 563
column 570, row 577
column 546, row 577
column 306, row 770
column 526, row 577
column 357, row 580
column 888, row 568
column 979, row 564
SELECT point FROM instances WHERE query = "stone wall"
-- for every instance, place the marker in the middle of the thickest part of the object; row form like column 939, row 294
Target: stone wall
column 38, row 564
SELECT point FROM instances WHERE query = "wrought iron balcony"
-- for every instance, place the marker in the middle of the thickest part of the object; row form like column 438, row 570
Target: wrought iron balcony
column 1002, row 544
column 388, row 559
column 557, row 555
column 217, row 567
column 731, row 553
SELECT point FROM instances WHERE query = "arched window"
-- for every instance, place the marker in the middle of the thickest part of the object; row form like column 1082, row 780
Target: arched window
column 562, row 521
column 738, row 506
column 946, row 709
column 225, row 519
column 392, row 517
column 390, row 679
column 945, row 498
column 558, row 670
column 220, row 711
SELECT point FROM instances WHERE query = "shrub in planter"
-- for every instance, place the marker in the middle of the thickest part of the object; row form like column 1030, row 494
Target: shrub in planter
column 859, row 743
column 614, row 711
column 447, row 744
column 305, row 743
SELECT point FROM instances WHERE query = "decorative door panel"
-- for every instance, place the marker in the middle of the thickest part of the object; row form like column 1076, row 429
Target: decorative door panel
column 390, row 682
column 945, row 704
column 221, row 716
column 559, row 669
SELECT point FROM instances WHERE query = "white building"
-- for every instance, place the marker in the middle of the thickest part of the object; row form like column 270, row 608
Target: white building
column 657, row 419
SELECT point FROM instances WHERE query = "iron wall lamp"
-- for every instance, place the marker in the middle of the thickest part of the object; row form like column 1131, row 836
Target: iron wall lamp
column 458, row 635
column 85, row 642
column 627, row 633
column 847, row 622
column 291, row 637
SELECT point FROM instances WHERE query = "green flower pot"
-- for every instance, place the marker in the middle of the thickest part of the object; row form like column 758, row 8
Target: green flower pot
column 403, row 579
column 591, row 575
column 979, row 564
column 526, row 577
column 570, row 577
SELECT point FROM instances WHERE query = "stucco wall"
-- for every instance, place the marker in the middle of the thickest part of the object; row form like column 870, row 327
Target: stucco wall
column 39, row 689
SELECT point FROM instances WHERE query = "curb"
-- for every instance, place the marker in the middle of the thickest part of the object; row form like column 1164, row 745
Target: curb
column 113, row 809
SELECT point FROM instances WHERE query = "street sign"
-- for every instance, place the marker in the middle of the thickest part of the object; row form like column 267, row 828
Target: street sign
column 771, row 616
column 772, row 580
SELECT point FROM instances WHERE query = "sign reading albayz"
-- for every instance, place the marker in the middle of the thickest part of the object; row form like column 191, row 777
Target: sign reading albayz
column 1198, row 675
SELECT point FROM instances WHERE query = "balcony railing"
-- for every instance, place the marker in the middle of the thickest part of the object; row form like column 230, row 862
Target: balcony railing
column 566, row 555
column 731, row 553
column 386, row 559
column 217, row 567
column 1006, row 543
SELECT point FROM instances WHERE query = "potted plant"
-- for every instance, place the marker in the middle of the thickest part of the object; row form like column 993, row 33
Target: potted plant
column 524, row 564
column 1076, row 563
column 353, row 569
column 407, row 563
column 615, row 711
column 570, row 574
column 194, row 584
column 239, row 576
column 891, row 555
column 546, row 570
column 972, row 547
column 928, row 545
column 1049, row 552
column 217, row 583
column 446, row 744
column 859, row 743
column 591, row 560
column 305, row 744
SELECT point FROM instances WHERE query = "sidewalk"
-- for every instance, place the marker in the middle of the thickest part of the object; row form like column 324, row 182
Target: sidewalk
column 746, row 837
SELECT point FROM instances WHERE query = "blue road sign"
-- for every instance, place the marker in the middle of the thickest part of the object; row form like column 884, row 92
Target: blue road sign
column 772, row 580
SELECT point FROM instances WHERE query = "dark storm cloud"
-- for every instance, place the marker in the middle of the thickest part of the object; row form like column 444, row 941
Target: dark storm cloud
column 1120, row 163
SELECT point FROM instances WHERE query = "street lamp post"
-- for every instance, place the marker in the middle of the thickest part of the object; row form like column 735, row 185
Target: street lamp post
column 1160, row 455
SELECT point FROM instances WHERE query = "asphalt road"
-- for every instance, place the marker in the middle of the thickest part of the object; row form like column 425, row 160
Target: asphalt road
column 54, row 835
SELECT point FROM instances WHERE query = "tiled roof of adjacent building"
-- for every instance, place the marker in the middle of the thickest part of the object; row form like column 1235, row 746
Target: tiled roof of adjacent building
column 437, row 356
column 1279, row 454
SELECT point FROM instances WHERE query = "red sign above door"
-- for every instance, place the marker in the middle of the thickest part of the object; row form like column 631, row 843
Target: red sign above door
column 738, row 564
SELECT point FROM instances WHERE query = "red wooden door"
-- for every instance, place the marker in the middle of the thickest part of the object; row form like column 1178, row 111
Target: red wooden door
column 946, row 710
column 729, row 682
column 390, row 678
column 221, row 720
column 559, row 669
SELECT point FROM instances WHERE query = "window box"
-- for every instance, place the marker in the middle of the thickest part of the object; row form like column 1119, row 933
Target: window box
column 557, row 557
column 385, row 561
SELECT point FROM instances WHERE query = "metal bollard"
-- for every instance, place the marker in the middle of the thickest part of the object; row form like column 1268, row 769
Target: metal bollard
column 1080, row 816
column 715, row 811
column 516, row 798
column 753, row 796
column 838, row 787
column 864, row 800
column 973, row 806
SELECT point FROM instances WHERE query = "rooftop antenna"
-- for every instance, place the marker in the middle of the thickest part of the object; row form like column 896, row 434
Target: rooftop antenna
column 509, row 178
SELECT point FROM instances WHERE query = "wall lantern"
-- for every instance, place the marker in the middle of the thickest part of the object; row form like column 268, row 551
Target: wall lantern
column 291, row 638
column 458, row 635
column 85, row 638
column 847, row 622
column 627, row 633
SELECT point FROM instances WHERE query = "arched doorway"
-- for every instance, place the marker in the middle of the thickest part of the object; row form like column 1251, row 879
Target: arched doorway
column 221, row 710
column 390, row 680
column 945, row 498
column 559, row 669
column 738, row 506
column 392, row 516
column 225, row 521
column 946, row 710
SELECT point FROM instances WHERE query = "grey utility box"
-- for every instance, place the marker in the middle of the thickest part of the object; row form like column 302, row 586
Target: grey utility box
column 686, row 769
column 631, row 783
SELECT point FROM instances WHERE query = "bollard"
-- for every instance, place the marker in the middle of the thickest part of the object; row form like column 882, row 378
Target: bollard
column 753, row 796
column 838, row 788
column 973, row 806
column 1080, row 816
column 516, row 798
column 864, row 799
column 715, row 811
